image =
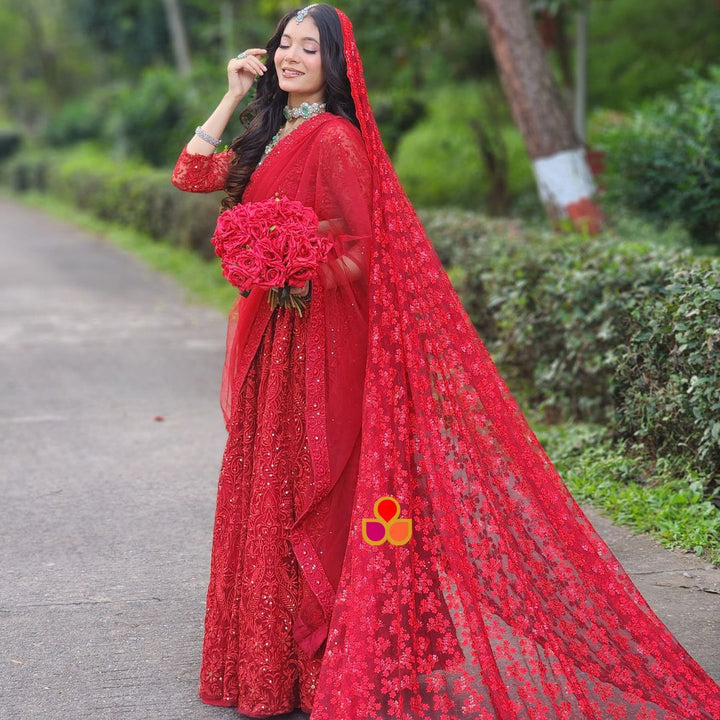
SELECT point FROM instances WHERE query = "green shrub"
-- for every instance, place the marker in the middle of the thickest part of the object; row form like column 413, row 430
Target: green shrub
column 638, row 49
column 84, row 118
column 667, row 380
column 665, row 160
column 154, row 117
column 128, row 193
column 10, row 140
column 605, row 329
column 441, row 160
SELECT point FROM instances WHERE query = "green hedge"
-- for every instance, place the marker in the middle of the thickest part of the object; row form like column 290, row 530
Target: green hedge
column 128, row 193
column 664, row 160
column 605, row 329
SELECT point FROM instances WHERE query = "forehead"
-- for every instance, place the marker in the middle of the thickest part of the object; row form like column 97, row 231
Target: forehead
column 306, row 30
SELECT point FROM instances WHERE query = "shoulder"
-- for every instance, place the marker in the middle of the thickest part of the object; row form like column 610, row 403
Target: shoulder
column 339, row 137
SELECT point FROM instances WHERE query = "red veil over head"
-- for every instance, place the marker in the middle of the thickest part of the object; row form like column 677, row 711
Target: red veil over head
column 505, row 603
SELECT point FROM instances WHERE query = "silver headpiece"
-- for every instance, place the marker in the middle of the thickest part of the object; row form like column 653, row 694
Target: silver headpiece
column 302, row 13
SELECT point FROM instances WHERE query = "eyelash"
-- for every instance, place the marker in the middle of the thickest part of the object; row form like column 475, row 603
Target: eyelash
column 309, row 52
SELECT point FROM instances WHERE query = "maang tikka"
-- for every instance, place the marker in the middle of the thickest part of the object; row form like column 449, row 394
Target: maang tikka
column 302, row 13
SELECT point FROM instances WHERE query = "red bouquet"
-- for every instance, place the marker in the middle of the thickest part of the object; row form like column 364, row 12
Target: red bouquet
column 273, row 244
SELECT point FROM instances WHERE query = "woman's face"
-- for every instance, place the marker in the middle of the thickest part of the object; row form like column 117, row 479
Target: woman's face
column 299, row 64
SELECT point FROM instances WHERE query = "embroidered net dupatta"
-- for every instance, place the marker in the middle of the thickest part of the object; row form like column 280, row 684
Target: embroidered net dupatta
column 505, row 603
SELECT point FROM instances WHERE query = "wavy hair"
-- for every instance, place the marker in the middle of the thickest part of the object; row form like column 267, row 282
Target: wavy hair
column 264, row 115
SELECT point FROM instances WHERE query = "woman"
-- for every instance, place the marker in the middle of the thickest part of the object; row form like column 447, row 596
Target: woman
column 503, row 602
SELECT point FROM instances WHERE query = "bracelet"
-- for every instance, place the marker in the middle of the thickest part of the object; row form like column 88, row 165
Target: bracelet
column 207, row 138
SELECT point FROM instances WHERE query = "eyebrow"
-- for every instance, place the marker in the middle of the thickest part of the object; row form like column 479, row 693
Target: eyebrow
column 311, row 39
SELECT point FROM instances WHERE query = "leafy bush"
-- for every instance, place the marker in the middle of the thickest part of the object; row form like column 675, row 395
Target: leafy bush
column 638, row 49
column 667, row 380
column 561, row 307
column 665, row 160
column 604, row 329
column 128, row 193
column 10, row 140
column 442, row 160
column 84, row 118
column 153, row 118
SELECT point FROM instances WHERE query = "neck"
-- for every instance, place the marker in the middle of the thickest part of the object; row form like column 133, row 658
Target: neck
column 297, row 99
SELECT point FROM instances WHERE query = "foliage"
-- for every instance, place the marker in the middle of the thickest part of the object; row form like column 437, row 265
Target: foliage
column 665, row 160
column 125, row 192
column 603, row 329
column 639, row 49
column 666, row 498
column 42, row 58
column 465, row 153
column 667, row 380
column 10, row 140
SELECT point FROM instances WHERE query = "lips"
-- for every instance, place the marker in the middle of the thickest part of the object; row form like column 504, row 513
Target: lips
column 292, row 73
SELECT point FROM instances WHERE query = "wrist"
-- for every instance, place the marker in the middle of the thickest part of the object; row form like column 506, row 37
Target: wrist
column 234, row 98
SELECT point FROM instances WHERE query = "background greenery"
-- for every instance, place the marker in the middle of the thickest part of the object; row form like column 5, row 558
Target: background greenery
column 612, row 341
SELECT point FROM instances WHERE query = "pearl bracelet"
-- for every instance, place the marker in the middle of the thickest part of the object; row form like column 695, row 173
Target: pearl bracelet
column 206, row 137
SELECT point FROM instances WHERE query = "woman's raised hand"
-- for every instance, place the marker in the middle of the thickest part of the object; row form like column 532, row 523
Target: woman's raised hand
column 242, row 71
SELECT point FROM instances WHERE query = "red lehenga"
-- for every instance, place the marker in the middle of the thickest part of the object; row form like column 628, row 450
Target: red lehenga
column 292, row 398
column 505, row 603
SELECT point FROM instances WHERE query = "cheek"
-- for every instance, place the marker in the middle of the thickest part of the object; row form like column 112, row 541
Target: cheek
column 317, row 69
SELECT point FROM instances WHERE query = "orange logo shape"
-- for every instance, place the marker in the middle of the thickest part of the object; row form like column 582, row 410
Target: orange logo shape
column 387, row 524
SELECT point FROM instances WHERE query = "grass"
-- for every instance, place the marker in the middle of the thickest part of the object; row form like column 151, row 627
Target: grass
column 665, row 499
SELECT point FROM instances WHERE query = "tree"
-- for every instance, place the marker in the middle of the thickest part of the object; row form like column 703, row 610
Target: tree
column 178, row 36
column 561, row 169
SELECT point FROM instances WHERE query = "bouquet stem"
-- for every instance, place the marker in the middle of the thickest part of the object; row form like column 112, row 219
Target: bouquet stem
column 286, row 299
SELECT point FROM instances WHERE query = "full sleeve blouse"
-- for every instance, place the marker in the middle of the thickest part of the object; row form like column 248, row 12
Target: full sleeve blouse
column 201, row 173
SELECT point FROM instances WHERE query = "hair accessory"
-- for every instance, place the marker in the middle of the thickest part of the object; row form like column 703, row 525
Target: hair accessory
column 302, row 13
column 206, row 137
column 304, row 111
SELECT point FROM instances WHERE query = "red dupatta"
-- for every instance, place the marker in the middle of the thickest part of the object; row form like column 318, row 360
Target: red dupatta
column 322, row 164
column 505, row 603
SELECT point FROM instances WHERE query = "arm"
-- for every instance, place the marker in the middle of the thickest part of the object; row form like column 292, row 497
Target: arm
column 346, row 206
column 199, row 168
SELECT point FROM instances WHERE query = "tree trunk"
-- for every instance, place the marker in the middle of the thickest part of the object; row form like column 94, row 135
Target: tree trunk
column 558, row 156
column 178, row 36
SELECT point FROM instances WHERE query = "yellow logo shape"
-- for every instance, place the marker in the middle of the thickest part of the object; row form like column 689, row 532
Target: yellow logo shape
column 387, row 524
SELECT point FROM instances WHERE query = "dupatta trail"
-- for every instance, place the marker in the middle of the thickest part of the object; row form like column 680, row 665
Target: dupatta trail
column 505, row 603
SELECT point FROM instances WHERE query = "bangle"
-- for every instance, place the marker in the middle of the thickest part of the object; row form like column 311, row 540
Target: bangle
column 206, row 137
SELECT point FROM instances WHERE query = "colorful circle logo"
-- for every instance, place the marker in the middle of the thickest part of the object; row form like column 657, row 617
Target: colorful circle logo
column 387, row 524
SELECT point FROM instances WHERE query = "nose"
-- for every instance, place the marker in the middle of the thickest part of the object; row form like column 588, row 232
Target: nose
column 291, row 54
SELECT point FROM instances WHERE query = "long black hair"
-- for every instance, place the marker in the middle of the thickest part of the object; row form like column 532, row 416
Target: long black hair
column 264, row 115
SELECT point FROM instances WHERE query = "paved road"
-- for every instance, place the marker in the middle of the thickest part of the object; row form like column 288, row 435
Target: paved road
column 110, row 445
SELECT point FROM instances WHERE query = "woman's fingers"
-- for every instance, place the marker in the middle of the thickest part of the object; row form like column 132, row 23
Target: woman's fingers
column 250, row 60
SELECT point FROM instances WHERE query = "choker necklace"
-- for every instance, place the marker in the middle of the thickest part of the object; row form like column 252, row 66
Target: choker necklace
column 304, row 111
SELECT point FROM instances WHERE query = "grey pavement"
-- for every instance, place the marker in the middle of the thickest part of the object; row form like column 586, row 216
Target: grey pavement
column 111, row 438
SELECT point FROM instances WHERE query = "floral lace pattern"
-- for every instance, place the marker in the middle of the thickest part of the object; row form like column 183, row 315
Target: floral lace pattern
column 249, row 657
column 201, row 173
